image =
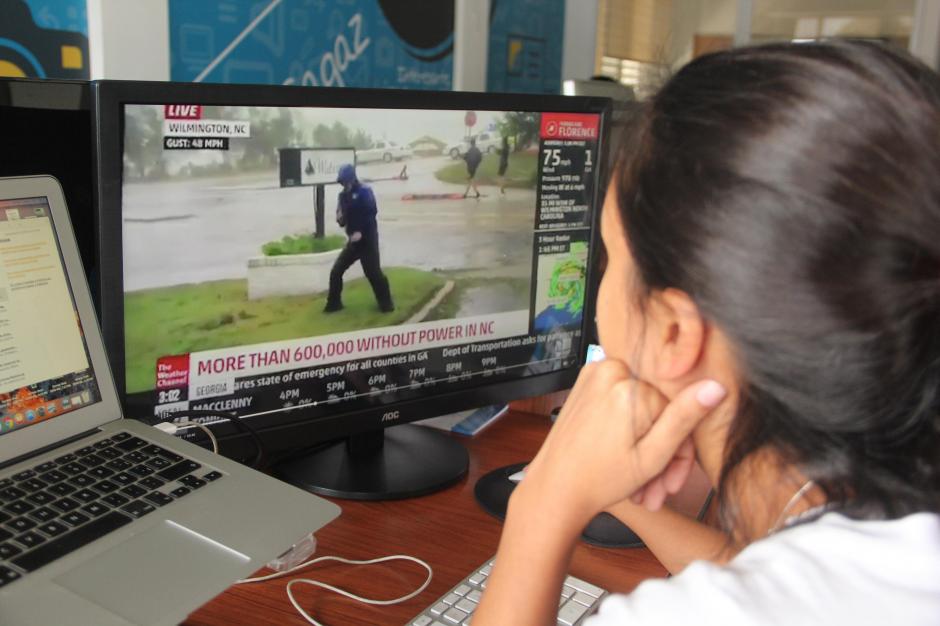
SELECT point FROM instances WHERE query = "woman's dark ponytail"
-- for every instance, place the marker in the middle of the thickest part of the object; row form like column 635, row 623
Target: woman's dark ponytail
column 793, row 191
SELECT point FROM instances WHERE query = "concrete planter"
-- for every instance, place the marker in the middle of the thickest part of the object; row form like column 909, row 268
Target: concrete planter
column 294, row 274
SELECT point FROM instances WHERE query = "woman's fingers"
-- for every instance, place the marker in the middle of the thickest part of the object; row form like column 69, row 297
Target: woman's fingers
column 657, row 447
column 654, row 494
column 618, row 437
column 679, row 469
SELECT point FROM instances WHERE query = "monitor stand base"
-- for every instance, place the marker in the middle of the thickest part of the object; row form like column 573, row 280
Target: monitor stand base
column 390, row 464
column 492, row 492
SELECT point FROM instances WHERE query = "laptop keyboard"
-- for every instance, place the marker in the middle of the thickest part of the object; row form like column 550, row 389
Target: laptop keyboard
column 578, row 600
column 59, row 506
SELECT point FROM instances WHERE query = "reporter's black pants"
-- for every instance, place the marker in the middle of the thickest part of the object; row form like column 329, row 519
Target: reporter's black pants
column 366, row 251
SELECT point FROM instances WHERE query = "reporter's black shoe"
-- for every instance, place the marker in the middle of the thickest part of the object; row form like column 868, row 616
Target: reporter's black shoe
column 333, row 307
column 386, row 307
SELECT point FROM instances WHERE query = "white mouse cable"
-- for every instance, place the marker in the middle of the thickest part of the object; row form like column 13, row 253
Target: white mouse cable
column 342, row 592
column 172, row 428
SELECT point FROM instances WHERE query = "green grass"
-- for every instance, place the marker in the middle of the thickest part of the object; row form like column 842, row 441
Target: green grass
column 218, row 314
column 302, row 244
column 520, row 173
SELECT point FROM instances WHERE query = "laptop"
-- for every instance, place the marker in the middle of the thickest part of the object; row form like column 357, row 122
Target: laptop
column 105, row 520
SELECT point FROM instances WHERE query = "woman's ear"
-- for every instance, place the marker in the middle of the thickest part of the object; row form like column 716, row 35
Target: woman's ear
column 680, row 332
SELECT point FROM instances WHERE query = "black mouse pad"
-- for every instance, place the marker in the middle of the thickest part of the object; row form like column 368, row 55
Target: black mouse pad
column 492, row 493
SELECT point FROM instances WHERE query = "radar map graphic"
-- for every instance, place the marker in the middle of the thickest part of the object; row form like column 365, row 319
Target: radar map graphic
column 562, row 303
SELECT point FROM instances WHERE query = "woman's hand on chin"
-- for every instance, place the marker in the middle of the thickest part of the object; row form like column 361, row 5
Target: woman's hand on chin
column 617, row 438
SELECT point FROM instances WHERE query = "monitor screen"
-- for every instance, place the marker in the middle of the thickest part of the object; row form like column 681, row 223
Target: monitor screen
column 448, row 270
column 45, row 369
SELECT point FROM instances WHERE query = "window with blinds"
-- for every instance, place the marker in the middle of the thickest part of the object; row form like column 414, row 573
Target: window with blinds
column 631, row 39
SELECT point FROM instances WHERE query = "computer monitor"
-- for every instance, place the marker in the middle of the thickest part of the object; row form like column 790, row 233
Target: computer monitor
column 46, row 129
column 211, row 200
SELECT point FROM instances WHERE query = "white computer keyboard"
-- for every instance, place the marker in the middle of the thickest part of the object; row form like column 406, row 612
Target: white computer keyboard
column 578, row 600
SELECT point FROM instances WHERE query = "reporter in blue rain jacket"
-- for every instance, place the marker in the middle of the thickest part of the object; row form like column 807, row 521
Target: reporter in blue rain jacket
column 356, row 212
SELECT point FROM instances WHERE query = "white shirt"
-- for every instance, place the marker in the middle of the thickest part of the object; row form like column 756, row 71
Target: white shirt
column 831, row 571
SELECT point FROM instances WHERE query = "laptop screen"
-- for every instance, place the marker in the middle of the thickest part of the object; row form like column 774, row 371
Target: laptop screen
column 45, row 368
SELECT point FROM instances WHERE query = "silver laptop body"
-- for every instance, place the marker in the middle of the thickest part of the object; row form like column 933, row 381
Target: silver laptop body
column 154, row 557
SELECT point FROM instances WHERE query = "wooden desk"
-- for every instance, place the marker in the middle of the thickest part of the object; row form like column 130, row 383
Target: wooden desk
column 447, row 530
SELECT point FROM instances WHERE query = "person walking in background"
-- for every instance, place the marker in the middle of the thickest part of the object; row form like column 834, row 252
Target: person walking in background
column 473, row 157
column 503, row 164
column 356, row 211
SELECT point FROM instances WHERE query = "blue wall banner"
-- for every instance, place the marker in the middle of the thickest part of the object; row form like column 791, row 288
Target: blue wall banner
column 44, row 38
column 525, row 47
column 352, row 43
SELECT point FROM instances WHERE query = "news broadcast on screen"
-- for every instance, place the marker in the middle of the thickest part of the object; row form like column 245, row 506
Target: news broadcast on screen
column 459, row 256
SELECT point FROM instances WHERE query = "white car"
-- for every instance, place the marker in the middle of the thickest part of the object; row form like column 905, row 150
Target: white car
column 387, row 151
column 487, row 142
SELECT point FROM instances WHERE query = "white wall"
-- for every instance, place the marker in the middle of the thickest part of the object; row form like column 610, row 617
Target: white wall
column 717, row 17
column 686, row 15
column 697, row 17
column 129, row 39
column 925, row 40
column 580, row 42
column 471, row 41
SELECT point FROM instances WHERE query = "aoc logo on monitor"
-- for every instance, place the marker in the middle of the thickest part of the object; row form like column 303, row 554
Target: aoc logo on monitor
column 391, row 416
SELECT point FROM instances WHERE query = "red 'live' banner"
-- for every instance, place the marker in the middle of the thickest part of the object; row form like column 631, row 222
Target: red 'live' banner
column 182, row 111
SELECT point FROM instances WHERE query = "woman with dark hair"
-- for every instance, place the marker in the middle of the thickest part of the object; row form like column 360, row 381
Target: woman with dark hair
column 770, row 307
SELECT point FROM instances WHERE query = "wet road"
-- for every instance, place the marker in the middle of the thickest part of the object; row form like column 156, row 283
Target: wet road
column 206, row 229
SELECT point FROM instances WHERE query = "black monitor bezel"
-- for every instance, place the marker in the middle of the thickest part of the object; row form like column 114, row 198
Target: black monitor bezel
column 108, row 98
column 48, row 121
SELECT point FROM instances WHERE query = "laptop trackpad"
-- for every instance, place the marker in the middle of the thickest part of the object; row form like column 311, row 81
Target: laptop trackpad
column 155, row 573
